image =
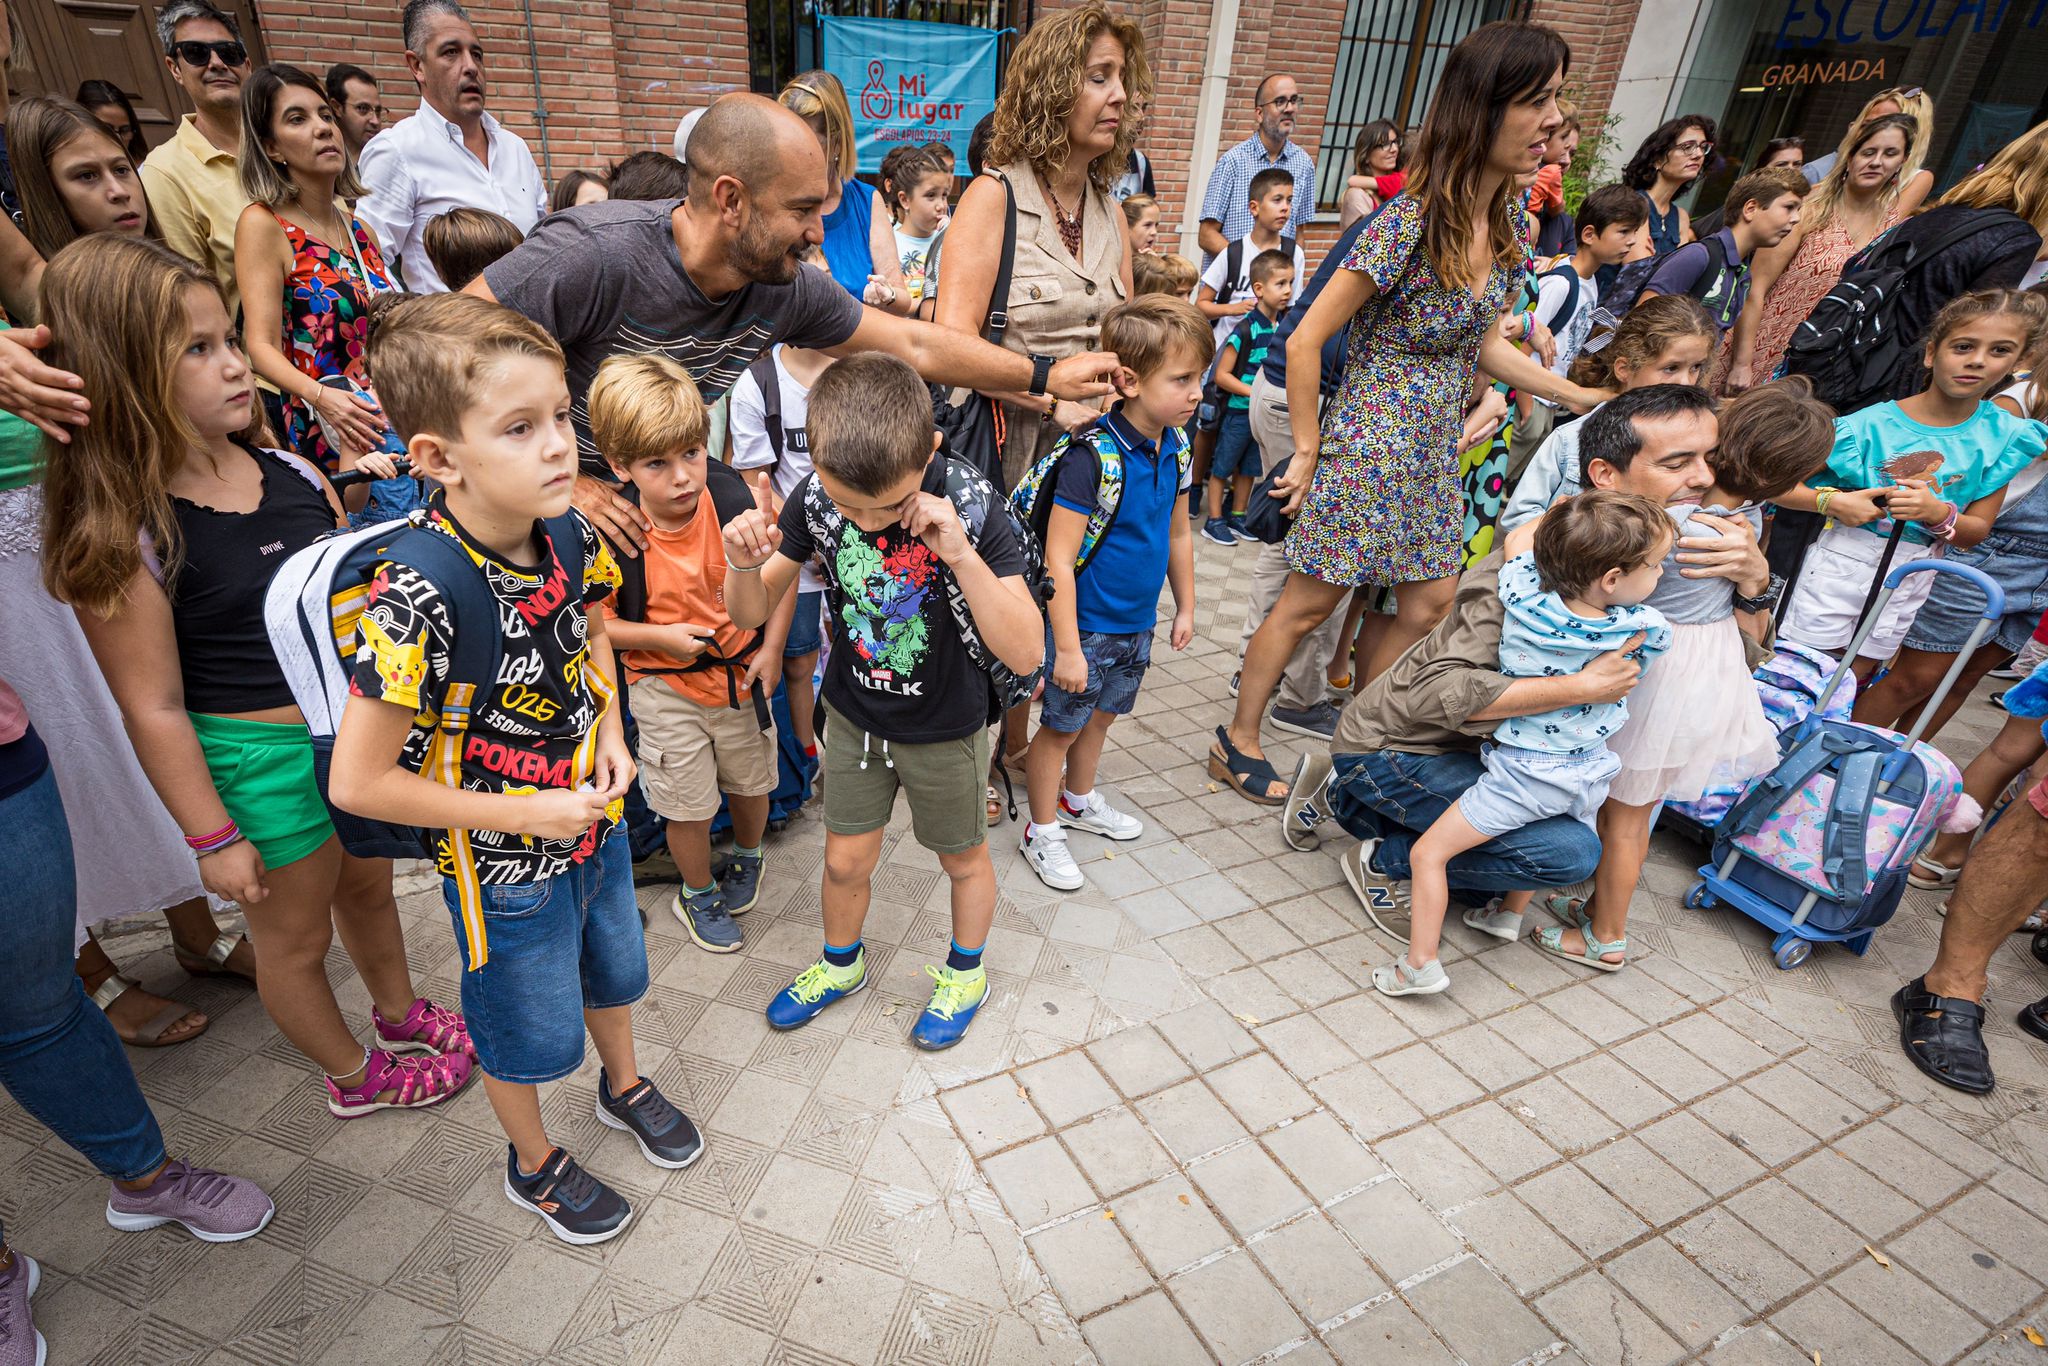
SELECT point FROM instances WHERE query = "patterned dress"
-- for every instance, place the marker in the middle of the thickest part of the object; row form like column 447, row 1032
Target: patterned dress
column 1386, row 506
column 326, row 303
column 1813, row 271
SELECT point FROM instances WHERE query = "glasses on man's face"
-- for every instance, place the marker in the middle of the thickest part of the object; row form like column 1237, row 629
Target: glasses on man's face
column 231, row 53
column 1692, row 145
column 1285, row 102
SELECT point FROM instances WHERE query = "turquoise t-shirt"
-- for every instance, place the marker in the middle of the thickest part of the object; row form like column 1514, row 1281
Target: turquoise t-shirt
column 21, row 449
column 1979, row 456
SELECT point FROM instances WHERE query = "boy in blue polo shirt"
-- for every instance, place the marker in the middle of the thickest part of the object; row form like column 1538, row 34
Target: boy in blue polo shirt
column 1101, row 614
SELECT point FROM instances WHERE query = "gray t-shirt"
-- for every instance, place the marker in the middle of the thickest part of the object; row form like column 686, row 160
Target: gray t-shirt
column 605, row 280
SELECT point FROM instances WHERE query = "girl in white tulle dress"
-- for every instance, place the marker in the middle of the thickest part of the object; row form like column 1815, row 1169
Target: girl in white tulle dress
column 1695, row 720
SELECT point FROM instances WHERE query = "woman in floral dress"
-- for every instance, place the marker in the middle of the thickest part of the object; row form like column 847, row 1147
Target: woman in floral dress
column 1424, row 291
column 308, row 268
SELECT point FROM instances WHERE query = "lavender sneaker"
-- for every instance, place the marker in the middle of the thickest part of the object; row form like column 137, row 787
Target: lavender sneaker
column 213, row 1207
column 20, row 1343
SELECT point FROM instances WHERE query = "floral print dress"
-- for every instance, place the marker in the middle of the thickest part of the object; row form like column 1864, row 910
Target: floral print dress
column 1386, row 506
column 326, row 306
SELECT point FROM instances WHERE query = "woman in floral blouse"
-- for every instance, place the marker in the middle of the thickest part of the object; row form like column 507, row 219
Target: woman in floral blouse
column 1423, row 291
column 308, row 268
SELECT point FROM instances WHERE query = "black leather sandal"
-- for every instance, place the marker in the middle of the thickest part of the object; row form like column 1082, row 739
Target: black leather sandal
column 2034, row 1019
column 1948, row 1046
column 1251, row 778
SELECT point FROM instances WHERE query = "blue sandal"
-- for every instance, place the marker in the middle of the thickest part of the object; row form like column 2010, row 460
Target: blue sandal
column 1550, row 939
column 1567, row 909
column 1251, row 778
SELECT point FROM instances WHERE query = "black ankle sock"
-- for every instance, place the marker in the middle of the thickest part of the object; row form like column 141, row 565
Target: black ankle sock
column 843, row 958
column 963, row 960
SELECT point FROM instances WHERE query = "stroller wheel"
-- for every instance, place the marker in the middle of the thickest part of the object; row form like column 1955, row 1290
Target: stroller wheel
column 1697, row 899
column 1791, row 953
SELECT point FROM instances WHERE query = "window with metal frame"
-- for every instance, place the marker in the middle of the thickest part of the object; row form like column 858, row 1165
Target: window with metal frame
column 1389, row 56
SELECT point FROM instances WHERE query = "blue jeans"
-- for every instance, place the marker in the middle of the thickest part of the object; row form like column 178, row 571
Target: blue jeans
column 1394, row 797
column 1116, row 668
column 1236, row 452
column 556, row 948
column 59, row 1058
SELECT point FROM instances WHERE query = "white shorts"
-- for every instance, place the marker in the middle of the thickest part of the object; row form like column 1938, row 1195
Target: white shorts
column 1834, row 581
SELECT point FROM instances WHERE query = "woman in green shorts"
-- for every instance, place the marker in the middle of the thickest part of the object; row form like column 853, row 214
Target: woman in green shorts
column 174, row 522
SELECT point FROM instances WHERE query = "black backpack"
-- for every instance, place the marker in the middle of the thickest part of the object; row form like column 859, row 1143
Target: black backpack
column 1628, row 286
column 730, row 497
column 1858, row 337
column 1233, row 265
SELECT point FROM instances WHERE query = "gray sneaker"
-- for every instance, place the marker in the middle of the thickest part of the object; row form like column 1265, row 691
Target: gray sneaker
column 210, row 1205
column 20, row 1343
column 1385, row 899
column 705, row 917
column 739, row 881
column 1306, row 806
column 1318, row 720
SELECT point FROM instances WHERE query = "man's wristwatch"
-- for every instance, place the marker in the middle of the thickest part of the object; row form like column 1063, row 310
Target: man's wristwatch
column 1041, row 370
column 1762, row 601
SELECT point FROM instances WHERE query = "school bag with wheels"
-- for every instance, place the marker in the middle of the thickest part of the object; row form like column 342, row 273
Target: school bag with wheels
column 1860, row 335
column 313, row 612
column 1790, row 685
column 1817, row 850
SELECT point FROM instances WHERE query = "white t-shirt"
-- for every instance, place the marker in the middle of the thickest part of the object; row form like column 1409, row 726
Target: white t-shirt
column 752, row 450
column 1570, row 332
column 2022, row 483
column 914, row 254
column 1241, row 287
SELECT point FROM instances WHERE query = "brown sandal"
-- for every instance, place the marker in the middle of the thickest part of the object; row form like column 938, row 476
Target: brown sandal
column 152, row 1033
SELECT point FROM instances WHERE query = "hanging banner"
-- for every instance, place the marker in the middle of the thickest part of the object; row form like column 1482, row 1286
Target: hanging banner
column 910, row 81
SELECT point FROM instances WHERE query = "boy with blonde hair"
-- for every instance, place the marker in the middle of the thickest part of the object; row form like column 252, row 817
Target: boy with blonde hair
column 698, row 684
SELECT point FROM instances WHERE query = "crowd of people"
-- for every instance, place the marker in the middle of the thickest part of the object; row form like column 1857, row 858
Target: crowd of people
column 678, row 491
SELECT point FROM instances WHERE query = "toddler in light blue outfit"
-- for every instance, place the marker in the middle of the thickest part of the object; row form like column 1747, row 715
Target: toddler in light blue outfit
column 1577, row 596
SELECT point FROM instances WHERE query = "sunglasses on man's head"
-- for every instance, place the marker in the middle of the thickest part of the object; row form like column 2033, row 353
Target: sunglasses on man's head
column 231, row 52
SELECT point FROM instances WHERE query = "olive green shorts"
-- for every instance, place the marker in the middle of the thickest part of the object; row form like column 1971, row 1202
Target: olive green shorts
column 263, row 771
column 946, row 783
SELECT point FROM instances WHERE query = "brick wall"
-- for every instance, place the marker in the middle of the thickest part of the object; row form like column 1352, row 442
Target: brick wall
column 617, row 76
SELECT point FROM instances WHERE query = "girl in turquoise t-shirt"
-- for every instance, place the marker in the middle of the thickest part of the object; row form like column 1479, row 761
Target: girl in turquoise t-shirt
column 1939, row 460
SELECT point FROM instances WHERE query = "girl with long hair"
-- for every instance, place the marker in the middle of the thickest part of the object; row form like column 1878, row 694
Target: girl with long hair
column 1424, row 291
column 860, row 237
column 73, row 178
column 163, row 523
column 109, row 104
column 1668, row 163
column 579, row 187
column 1858, row 199
column 1914, row 179
column 1375, row 172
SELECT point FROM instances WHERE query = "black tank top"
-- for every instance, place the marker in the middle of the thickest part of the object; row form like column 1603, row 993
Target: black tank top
column 217, row 594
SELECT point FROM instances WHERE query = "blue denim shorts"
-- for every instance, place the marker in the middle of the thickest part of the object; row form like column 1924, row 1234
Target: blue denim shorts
column 1236, row 453
column 806, row 631
column 1116, row 666
column 1523, row 786
column 558, row 947
column 2016, row 563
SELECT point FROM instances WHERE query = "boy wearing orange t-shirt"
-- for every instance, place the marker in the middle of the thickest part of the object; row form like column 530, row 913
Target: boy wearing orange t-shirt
column 699, row 684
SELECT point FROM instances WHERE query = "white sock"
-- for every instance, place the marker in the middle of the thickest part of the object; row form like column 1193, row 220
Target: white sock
column 1077, row 801
column 1032, row 830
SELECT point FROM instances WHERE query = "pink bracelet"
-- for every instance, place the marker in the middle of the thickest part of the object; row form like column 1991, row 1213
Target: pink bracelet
column 1947, row 530
column 219, row 839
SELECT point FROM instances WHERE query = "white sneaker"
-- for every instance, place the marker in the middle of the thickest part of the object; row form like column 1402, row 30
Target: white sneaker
column 1047, row 853
column 1491, row 919
column 1398, row 979
column 1100, row 818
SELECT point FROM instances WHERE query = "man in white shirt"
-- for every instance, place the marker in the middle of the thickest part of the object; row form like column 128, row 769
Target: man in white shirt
column 450, row 153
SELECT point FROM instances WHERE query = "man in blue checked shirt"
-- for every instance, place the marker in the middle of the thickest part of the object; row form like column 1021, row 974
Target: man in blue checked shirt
column 1226, row 215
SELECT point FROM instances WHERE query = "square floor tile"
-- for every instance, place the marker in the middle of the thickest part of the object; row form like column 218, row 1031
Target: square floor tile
column 1171, row 1224
column 1248, row 1188
column 1038, row 1182
column 992, row 1114
column 1605, row 1325
column 1148, row 1329
column 1575, row 1205
column 1066, row 1088
column 1388, row 1332
column 1116, row 1152
column 1089, row 1263
column 1259, row 1092
column 1515, row 1242
column 1236, row 1309
column 1686, row 1300
column 1396, row 1230
column 1317, row 1268
column 1190, row 1120
column 1138, row 1060
column 1322, row 1156
column 1484, row 1322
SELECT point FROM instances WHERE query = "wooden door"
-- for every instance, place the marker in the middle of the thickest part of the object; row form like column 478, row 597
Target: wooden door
column 68, row 41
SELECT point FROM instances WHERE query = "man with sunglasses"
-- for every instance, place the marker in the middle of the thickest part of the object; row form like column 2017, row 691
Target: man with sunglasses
column 1225, row 212
column 194, row 195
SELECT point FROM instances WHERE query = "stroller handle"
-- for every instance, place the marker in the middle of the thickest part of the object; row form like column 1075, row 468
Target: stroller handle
column 1994, row 596
column 1994, row 608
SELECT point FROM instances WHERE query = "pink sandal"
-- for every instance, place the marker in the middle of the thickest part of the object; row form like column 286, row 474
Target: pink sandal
column 416, row 1081
column 426, row 1028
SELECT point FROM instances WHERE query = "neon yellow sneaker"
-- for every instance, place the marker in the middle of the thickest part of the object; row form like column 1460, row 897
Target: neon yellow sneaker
column 955, row 999
column 816, row 987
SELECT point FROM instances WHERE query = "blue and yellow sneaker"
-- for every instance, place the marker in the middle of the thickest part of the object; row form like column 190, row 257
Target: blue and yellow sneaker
column 955, row 1000
column 816, row 987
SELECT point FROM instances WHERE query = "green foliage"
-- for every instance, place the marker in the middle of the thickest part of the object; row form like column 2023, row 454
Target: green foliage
column 1589, row 168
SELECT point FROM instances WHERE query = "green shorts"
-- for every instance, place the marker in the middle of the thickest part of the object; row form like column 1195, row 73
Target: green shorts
column 946, row 782
column 263, row 771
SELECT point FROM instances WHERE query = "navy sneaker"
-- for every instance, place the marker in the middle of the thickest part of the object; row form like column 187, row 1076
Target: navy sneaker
column 739, row 881
column 664, row 1133
column 1318, row 720
column 816, row 987
column 1217, row 530
column 577, row 1207
column 704, row 915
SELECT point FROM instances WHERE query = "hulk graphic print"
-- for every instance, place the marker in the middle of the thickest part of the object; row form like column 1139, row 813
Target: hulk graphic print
column 884, row 589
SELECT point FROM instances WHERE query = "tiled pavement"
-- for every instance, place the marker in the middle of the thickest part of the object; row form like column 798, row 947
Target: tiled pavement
column 1183, row 1130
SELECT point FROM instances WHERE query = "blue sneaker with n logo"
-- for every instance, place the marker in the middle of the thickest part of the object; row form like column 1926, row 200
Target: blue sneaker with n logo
column 816, row 987
column 1384, row 898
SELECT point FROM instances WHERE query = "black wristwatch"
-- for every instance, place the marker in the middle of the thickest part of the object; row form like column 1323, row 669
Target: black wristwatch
column 1041, row 370
column 1763, row 601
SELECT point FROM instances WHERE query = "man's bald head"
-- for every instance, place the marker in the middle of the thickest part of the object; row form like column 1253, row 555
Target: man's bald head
column 755, row 141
